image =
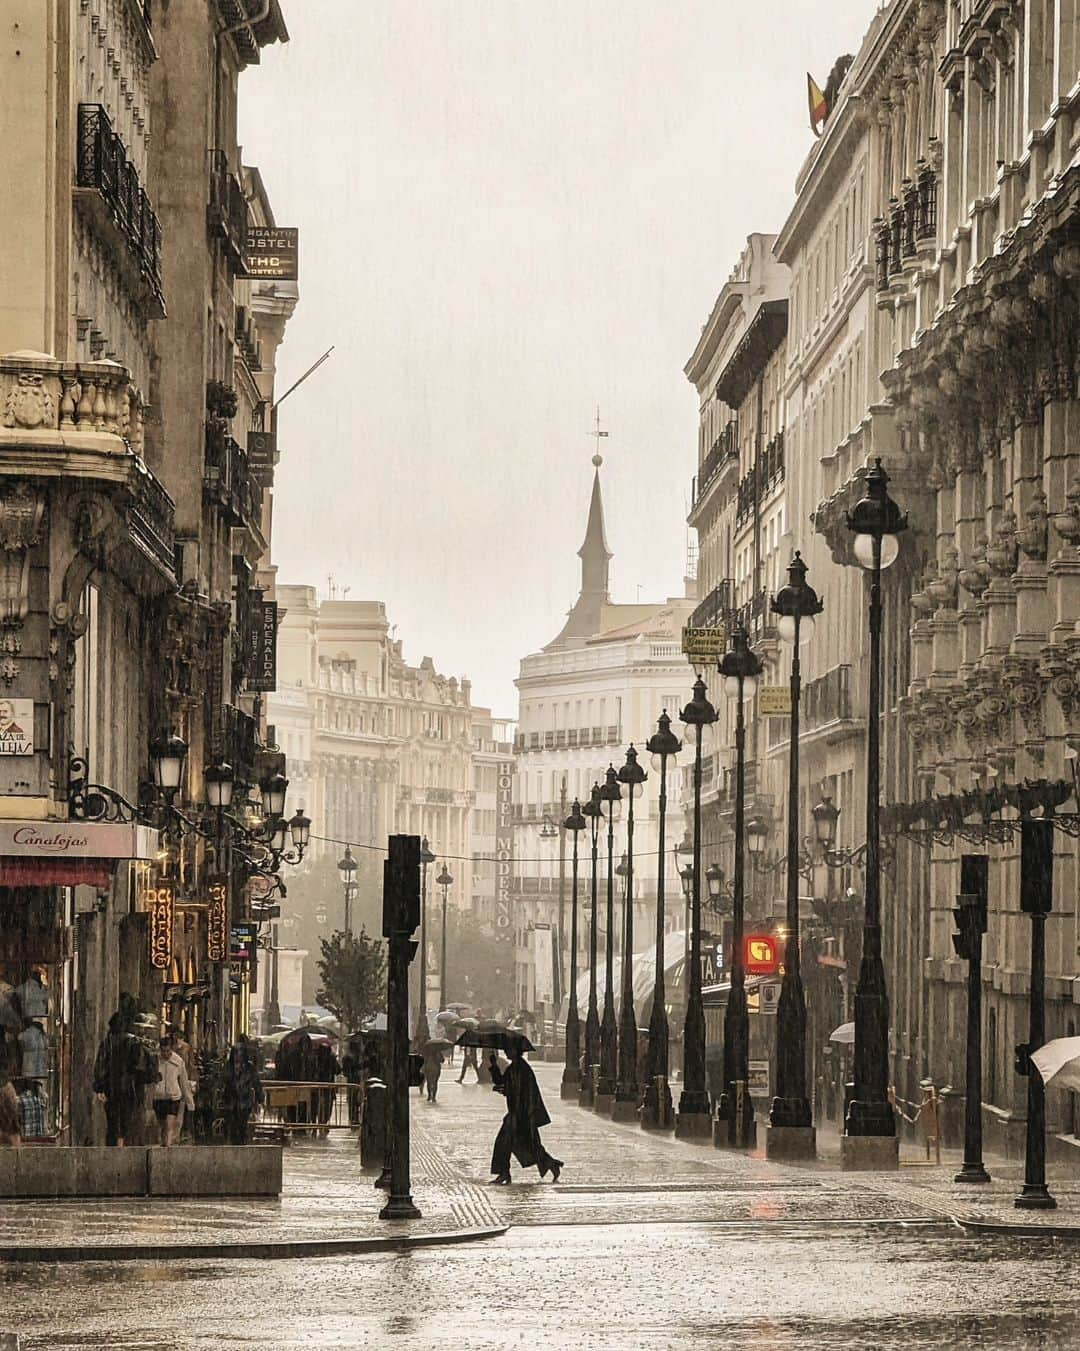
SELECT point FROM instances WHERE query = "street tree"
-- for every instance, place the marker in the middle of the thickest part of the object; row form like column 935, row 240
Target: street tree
column 352, row 972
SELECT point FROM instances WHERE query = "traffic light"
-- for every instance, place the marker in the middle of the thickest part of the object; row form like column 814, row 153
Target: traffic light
column 970, row 913
column 401, row 886
column 1036, row 866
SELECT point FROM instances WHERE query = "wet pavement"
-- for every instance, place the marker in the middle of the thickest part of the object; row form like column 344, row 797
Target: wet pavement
column 645, row 1243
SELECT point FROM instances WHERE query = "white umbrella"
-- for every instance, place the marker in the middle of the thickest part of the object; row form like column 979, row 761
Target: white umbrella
column 844, row 1035
column 1059, row 1061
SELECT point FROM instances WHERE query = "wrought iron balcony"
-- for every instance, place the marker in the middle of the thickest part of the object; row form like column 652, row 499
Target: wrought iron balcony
column 724, row 450
column 228, row 481
column 827, row 698
column 227, row 213
column 109, row 185
column 716, row 608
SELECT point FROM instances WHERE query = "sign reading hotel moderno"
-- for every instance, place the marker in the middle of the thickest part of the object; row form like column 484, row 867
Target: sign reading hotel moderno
column 504, row 842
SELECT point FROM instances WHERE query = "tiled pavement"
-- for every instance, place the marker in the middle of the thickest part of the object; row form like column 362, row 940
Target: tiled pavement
column 614, row 1174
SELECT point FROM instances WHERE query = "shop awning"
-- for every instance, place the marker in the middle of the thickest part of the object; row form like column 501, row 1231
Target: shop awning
column 69, row 853
column 47, row 872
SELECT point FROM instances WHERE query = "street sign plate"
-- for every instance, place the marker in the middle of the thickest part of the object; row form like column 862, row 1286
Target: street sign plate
column 774, row 701
column 768, row 997
column 709, row 642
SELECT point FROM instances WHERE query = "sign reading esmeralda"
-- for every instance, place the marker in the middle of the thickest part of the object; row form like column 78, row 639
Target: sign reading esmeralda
column 272, row 252
column 774, row 701
column 704, row 642
column 262, row 671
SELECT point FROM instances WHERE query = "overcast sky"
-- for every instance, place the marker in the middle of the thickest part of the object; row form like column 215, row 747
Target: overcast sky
column 511, row 211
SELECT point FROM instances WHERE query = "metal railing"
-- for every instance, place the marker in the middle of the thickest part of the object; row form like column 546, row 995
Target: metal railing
column 102, row 164
column 227, row 210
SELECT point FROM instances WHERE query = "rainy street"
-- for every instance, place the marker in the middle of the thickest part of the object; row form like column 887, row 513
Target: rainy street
column 645, row 1243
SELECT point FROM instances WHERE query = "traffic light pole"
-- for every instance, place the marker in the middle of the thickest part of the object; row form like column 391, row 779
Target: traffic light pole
column 401, row 915
column 1036, row 901
column 971, row 914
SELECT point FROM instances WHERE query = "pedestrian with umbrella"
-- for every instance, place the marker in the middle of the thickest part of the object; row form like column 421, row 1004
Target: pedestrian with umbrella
column 519, row 1134
column 469, row 1056
column 433, row 1063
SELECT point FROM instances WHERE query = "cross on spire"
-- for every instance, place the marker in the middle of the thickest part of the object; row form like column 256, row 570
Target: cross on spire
column 597, row 433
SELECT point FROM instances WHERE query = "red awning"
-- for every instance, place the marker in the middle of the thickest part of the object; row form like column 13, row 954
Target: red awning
column 59, row 872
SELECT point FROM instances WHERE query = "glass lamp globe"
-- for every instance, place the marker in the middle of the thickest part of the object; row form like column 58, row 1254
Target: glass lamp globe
column 785, row 626
column 694, row 731
column 864, row 550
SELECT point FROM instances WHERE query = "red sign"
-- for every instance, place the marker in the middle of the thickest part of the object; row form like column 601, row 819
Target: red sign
column 160, row 905
column 761, row 955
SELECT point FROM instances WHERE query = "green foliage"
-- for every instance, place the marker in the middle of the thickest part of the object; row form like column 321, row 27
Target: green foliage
column 352, row 971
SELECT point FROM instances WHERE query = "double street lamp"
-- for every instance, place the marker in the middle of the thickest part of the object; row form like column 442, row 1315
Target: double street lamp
column 625, row 1106
column 587, row 1096
column 571, row 1079
column 347, row 868
column 611, row 808
column 740, row 668
column 791, row 1133
column 694, row 1115
column 870, row 1129
column 663, row 746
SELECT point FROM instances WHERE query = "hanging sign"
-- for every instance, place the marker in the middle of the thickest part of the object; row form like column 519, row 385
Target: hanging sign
column 709, row 642
column 160, row 905
column 217, row 920
column 504, row 844
column 271, row 252
column 761, row 956
column 262, row 668
column 769, row 997
column 774, row 701
column 242, row 939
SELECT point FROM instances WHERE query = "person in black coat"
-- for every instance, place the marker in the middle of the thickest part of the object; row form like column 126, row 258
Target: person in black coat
column 519, row 1135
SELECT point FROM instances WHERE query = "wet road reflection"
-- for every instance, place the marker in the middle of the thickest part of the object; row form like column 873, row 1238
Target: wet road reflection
column 621, row 1287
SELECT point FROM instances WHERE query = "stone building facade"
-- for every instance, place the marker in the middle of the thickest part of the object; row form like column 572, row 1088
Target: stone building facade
column 124, row 601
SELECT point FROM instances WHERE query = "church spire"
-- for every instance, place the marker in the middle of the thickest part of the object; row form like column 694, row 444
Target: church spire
column 584, row 619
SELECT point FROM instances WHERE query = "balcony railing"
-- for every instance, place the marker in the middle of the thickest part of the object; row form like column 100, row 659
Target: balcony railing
column 151, row 517
column 827, row 698
column 103, row 167
column 228, row 481
column 227, row 212
column 724, row 448
column 758, row 480
column 911, row 221
column 715, row 609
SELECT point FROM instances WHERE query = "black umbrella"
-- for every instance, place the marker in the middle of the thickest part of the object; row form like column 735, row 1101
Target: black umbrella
column 437, row 1044
column 496, row 1039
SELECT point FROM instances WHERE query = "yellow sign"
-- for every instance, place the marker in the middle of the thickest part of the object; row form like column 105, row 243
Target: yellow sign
column 217, row 920
column 160, row 905
column 704, row 642
column 774, row 701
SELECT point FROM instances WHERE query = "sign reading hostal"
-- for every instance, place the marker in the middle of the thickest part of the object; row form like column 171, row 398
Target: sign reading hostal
column 709, row 642
column 16, row 726
column 272, row 252
column 262, row 667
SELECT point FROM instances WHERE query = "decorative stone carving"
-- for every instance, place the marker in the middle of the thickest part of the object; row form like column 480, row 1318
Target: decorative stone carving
column 1024, row 688
column 1001, row 553
column 943, row 587
column 1067, row 522
column 1032, row 536
column 29, row 403
column 22, row 508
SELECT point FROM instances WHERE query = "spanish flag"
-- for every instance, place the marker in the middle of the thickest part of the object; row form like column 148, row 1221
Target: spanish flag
column 819, row 105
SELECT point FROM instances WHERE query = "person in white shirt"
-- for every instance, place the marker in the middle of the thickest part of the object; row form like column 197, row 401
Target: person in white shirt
column 172, row 1088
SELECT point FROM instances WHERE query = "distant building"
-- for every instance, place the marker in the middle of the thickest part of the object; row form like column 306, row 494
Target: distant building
column 598, row 686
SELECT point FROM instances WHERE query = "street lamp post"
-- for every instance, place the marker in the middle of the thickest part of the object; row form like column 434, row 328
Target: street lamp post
column 625, row 1106
column 1036, row 901
column 694, row 1117
column 610, row 806
column 347, row 869
column 587, row 1096
column 870, row 1130
column 443, row 880
column 791, row 1133
column 571, row 1079
column 423, row 1029
column 656, row 1112
column 735, row 1125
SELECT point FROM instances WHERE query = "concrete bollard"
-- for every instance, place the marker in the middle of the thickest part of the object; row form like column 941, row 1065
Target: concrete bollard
column 373, row 1126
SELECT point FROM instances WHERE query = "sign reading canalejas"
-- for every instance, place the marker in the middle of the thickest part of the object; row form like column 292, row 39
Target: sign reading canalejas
column 160, row 905
column 76, row 839
column 272, row 252
column 217, row 919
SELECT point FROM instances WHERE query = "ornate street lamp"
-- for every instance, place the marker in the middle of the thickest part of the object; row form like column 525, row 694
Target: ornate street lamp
column 625, row 1106
column 219, row 779
column 347, row 868
column 443, row 880
column 791, row 1132
column 167, row 757
column 694, row 1118
column 656, row 1112
column 876, row 521
column 587, row 1096
column 300, row 830
column 740, row 669
column 423, row 1029
column 571, row 1079
column 273, row 789
column 611, row 807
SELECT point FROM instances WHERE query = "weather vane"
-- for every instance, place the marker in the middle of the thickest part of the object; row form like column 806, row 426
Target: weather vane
column 597, row 432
